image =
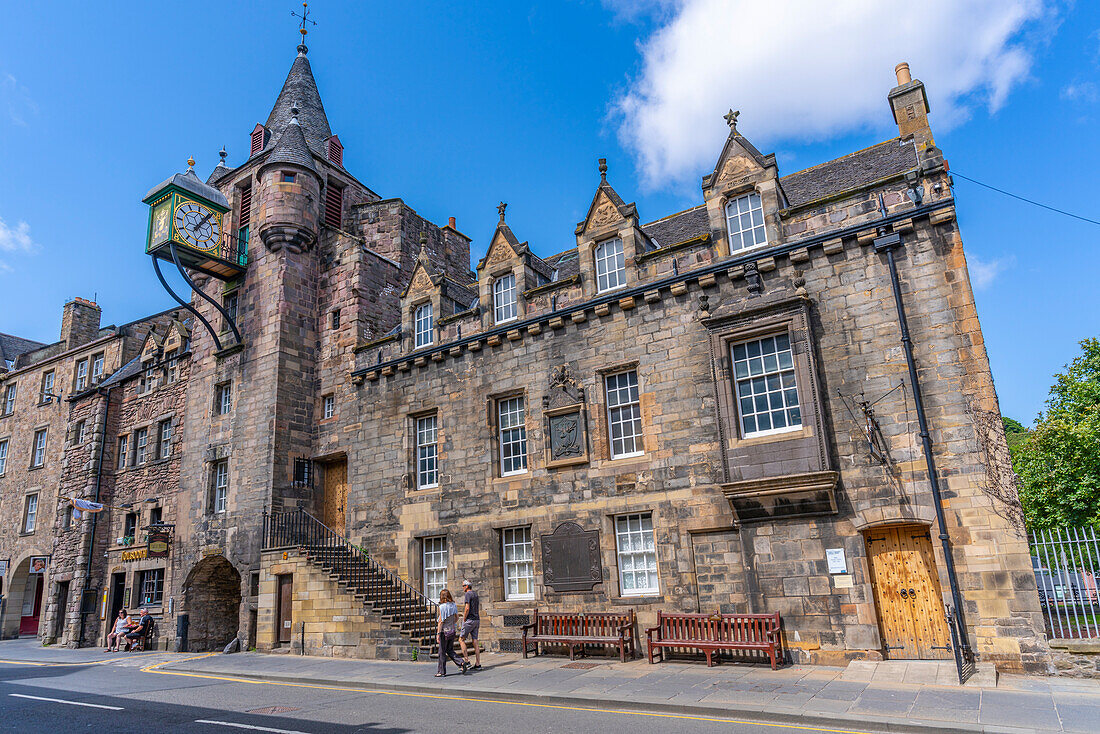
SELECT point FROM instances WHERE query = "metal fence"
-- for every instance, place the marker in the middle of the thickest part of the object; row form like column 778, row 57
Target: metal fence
column 1066, row 562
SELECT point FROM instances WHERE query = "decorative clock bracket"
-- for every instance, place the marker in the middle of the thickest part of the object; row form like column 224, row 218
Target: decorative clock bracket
column 202, row 294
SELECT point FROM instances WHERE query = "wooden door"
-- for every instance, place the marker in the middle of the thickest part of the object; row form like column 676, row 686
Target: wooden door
column 335, row 495
column 286, row 596
column 907, row 594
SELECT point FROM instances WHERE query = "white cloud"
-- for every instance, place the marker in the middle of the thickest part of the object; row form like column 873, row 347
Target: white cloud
column 983, row 272
column 806, row 70
column 17, row 100
column 15, row 240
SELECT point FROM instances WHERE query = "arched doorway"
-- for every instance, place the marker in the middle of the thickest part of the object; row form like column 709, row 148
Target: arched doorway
column 25, row 600
column 213, row 597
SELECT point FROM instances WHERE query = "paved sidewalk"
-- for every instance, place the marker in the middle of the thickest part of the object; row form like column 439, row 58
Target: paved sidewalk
column 858, row 698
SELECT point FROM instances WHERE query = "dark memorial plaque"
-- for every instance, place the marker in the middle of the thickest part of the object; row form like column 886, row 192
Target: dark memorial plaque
column 571, row 558
column 565, row 435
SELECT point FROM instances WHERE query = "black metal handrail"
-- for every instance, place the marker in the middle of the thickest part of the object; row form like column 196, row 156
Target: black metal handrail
column 392, row 595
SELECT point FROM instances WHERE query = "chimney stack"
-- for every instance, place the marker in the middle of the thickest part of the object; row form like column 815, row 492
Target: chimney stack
column 451, row 223
column 909, row 104
column 79, row 322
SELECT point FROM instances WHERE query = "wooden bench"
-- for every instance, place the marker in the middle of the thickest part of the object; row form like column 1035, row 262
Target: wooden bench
column 578, row 630
column 714, row 632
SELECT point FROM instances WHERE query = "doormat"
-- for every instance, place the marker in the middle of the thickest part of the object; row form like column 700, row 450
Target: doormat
column 581, row 666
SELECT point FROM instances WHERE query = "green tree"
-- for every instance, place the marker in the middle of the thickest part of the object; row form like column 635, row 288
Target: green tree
column 1058, row 463
column 1016, row 434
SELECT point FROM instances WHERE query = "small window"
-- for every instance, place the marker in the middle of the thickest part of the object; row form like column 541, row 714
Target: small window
column 435, row 567
column 424, row 325
column 427, row 452
column 150, row 378
column 47, row 387
column 221, row 486
column 335, row 318
column 97, row 368
column 141, row 443
column 164, row 441
column 81, row 379
column 637, row 554
column 79, row 432
column 745, row 222
column 123, row 442
column 9, row 400
column 223, row 398
column 171, row 368
column 767, row 391
column 38, row 456
column 151, row 583
column 289, row 176
column 519, row 567
column 504, row 298
column 303, row 473
column 624, row 414
column 30, row 512
column 512, row 436
column 229, row 303
column 328, row 406
column 129, row 527
column 156, row 515
column 610, row 265
column 3, row 456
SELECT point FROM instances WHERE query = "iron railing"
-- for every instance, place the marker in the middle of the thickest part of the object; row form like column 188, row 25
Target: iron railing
column 1066, row 562
column 386, row 592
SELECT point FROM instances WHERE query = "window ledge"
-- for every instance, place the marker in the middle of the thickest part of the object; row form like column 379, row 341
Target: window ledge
column 25, row 533
column 627, row 457
column 647, row 598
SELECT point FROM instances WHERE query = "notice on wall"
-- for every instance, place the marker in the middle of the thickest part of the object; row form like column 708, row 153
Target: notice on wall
column 835, row 558
column 843, row 581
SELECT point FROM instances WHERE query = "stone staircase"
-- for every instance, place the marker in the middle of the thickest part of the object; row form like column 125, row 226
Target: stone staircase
column 383, row 594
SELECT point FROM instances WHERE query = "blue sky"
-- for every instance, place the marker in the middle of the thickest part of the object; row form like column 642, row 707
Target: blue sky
column 454, row 108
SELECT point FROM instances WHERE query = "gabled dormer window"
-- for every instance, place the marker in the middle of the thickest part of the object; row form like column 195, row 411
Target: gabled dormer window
column 424, row 325
column 504, row 298
column 610, row 265
column 745, row 222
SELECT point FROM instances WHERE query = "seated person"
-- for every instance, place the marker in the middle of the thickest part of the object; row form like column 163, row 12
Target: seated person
column 121, row 627
column 140, row 630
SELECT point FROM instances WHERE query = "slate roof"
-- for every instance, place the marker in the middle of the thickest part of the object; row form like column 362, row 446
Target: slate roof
column 219, row 170
column 566, row 263
column 129, row 369
column 300, row 89
column 673, row 230
column 292, row 148
column 849, row 172
column 11, row 347
column 188, row 181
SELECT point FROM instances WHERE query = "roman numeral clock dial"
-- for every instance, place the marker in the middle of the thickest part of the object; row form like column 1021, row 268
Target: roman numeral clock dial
column 197, row 225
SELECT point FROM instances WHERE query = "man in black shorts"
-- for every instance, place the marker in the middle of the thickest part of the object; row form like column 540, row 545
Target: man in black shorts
column 471, row 623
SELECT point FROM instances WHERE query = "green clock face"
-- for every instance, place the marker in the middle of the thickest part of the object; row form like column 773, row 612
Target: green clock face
column 198, row 225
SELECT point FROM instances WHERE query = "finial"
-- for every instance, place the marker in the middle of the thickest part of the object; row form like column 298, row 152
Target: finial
column 302, row 50
column 190, row 164
column 294, row 113
column 500, row 210
column 731, row 119
column 603, row 169
column 222, row 154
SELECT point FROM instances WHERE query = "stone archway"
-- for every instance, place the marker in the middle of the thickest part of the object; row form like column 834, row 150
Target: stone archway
column 212, row 594
column 17, row 583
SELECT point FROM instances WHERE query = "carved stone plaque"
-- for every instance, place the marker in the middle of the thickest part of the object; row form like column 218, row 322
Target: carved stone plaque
column 566, row 435
column 566, row 420
column 571, row 558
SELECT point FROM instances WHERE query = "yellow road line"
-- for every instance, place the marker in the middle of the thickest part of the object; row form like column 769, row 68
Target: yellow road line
column 48, row 665
column 440, row 697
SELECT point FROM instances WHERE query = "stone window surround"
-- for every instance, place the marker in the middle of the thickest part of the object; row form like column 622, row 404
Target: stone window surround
column 413, row 461
column 152, row 448
column 45, row 429
column 503, row 534
column 603, row 450
column 10, row 394
column 493, row 401
column 772, row 232
column 595, row 246
column 6, row 441
column 414, row 309
column 211, row 504
column 81, row 374
column 219, row 406
column 26, row 507
column 48, row 384
column 325, row 398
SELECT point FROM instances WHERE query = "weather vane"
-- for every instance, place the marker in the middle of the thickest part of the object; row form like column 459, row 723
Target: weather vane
column 305, row 19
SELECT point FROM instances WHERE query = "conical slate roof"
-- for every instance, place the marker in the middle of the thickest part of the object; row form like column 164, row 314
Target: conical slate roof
column 300, row 90
column 292, row 148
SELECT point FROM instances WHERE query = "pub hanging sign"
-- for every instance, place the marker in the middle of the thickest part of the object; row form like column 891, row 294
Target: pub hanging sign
column 159, row 543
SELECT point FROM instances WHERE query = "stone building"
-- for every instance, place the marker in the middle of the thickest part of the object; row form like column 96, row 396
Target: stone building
column 712, row 410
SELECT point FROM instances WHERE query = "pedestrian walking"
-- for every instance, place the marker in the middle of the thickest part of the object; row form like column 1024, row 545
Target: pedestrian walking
column 445, row 632
column 471, row 623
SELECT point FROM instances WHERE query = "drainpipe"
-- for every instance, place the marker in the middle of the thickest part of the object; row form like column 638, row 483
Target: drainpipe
column 887, row 242
column 95, row 515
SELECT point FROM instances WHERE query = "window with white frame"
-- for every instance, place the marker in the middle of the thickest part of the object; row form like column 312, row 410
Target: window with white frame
column 30, row 513
column 637, row 554
column 221, row 485
column 427, row 452
column 141, row 443
column 3, row 456
column 9, row 400
column 38, row 456
column 81, row 381
column 328, row 406
column 610, row 265
column 97, row 368
column 80, row 432
column 47, row 387
column 504, row 298
column 424, row 326
column 171, row 367
column 435, row 566
column 165, row 441
column 123, row 442
column 519, row 566
column 512, row 435
column 624, row 414
column 767, row 391
column 745, row 222
column 223, row 398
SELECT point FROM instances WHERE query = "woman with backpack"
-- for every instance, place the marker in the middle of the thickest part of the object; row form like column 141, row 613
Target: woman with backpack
column 445, row 631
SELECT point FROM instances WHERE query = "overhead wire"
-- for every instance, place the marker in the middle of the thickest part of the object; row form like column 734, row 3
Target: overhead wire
column 953, row 172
